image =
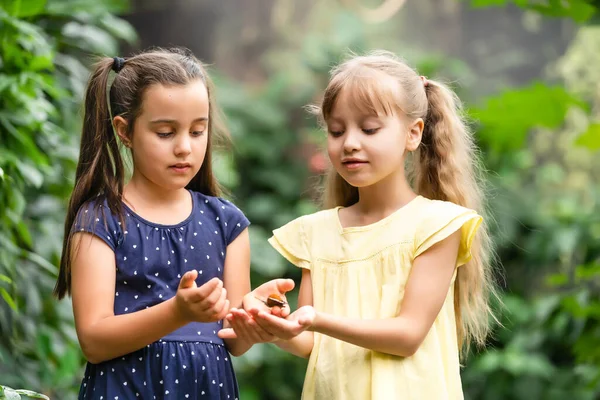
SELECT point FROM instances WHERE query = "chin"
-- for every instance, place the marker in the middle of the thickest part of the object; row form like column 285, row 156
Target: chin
column 358, row 182
column 175, row 184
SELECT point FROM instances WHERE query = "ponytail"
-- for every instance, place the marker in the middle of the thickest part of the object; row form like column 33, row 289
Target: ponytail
column 99, row 169
column 447, row 167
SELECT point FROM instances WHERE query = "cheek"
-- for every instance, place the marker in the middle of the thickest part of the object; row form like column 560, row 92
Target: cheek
column 148, row 150
column 200, row 145
column 332, row 148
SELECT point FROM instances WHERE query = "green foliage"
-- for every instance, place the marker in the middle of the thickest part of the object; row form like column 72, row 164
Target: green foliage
column 546, row 207
column 579, row 10
column 7, row 393
column 535, row 106
column 537, row 142
column 44, row 47
column 590, row 138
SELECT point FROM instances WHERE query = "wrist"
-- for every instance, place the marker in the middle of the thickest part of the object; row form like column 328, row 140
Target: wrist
column 317, row 323
column 176, row 311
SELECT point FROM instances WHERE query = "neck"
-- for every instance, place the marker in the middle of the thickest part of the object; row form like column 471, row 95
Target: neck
column 385, row 196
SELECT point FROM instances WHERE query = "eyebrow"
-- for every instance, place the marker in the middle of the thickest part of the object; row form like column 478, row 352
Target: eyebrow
column 172, row 121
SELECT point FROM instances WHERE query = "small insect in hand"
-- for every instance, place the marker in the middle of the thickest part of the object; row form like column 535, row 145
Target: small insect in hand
column 274, row 300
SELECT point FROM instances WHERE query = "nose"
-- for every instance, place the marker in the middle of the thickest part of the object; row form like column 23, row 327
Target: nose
column 183, row 145
column 351, row 141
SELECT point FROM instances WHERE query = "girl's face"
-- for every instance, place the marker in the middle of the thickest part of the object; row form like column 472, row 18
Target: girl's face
column 170, row 135
column 365, row 148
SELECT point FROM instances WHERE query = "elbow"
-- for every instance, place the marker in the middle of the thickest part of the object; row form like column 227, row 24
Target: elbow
column 408, row 344
column 408, row 351
column 91, row 355
column 91, row 350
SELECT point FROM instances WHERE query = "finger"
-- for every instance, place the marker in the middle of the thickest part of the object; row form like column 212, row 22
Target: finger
column 188, row 279
column 284, row 285
column 218, row 306
column 276, row 311
column 263, row 334
column 277, row 326
column 240, row 327
column 285, row 311
column 212, row 299
column 210, row 287
column 227, row 333
column 280, row 311
column 223, row 313
column 253, row 330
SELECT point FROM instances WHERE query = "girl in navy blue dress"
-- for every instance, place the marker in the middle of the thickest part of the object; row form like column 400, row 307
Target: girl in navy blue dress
column 154, row 265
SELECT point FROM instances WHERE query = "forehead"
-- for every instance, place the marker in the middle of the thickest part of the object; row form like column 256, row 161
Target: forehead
column 176, row 100
column 362, row 95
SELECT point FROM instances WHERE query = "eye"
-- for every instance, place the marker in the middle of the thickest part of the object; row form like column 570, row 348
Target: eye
column 371, row 131
column 164, row 134
column 197, row 133
column 336, row 133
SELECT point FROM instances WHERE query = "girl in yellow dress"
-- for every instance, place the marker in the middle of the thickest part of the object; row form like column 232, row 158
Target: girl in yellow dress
column 395, row 272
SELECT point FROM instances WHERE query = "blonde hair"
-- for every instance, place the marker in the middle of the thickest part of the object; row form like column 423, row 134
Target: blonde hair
column 446, row 165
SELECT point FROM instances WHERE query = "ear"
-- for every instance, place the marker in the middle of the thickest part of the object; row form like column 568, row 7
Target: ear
column 120, row 125
column 415, row 132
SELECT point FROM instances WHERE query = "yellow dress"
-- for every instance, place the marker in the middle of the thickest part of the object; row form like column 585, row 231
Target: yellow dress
column 360, row 272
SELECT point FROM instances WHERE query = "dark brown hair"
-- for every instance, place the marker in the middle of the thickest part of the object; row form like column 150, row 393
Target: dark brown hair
column 100, row 170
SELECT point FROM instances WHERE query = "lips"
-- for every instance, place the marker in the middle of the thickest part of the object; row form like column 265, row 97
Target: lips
column 353, row 163
column 181, row 167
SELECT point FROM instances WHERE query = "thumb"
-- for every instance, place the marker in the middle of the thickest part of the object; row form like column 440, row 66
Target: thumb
column 284, row 285
column 187, row 281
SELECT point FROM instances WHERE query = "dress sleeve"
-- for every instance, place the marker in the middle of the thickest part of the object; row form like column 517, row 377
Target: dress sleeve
column 235, row 220
column 291, row 242
column 441, row 221
column 96, row 218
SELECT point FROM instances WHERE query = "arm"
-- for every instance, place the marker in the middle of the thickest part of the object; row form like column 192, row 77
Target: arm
column 425, row 293
column 302, row 344
column 104, row 336
column 236, row 278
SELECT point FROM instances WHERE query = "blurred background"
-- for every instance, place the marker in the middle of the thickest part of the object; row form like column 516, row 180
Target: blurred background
column 528, row 72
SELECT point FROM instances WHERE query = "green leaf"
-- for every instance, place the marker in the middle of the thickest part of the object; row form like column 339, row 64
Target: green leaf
column 24, row 234
column 590, row 138
column 33, row 176
column 91, row 37
column 119, row 28
column 32, row 394
column 41, row 261
column 28, row 8
column 578, row 10
column 557, row 279
column 9, row 394
column 9, row 300
column 5, row 278
column 506, row 119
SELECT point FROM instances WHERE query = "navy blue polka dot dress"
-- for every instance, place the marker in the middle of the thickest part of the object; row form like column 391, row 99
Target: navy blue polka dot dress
column 192, row 362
